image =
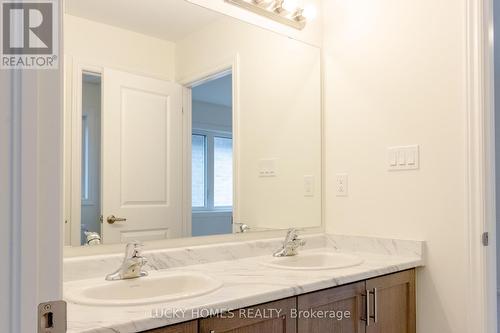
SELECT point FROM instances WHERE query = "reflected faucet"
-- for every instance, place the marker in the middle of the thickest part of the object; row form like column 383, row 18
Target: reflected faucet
column 92, row 238
column 133, row 264
column 290, row 245
column 244, row 228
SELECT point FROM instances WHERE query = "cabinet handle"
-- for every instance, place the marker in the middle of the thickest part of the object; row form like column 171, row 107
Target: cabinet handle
column 367, row 308
column 375, row 305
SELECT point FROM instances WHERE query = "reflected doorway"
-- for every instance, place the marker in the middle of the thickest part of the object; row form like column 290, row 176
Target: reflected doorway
column 91, row 158
column 212, row 156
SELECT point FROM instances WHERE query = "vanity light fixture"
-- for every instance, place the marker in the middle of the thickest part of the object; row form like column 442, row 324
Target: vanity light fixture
column 276, row 10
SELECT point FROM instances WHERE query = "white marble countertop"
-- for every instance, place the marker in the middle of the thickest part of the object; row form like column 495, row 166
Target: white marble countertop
column 246, row 282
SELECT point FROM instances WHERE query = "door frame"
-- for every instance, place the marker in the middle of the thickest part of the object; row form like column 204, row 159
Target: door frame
column 481, row 290
column 207, row 74
column 33, row 237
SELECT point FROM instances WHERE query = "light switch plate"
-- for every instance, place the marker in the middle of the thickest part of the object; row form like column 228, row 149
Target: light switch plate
column 403, row 158
column 309, row 186
column 341, row 185
column 267, row 168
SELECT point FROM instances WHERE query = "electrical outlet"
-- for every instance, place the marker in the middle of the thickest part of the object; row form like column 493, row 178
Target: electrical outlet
column 342, row 185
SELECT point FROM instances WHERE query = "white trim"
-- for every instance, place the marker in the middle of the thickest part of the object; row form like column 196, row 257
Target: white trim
column 6, row 163
column 212, row 75
column 216, row 71
column 323, row 139
column 192, row 80
column 481, row 267
column 36, row 223
column 186, row 161
column 236, row 138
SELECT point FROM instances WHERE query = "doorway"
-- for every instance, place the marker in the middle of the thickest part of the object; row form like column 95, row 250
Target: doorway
column 212, row 156
column 126, row 157
column 91, row 158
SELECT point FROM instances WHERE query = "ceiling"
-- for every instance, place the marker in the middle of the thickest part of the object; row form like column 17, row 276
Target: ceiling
column 219, row 91
column 166, row 19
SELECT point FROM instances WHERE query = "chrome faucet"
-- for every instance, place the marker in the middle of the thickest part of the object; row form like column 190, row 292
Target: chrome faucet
column 133, row 264
column 92, row 238
column 290, row 244
column 244, row 228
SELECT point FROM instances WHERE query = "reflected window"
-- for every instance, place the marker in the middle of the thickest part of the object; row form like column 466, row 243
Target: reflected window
column 85, row 158
column 199, row 170
column 212, row 171
column 223, row 172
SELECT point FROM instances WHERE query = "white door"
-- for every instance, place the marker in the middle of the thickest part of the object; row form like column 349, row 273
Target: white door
column 141, row 158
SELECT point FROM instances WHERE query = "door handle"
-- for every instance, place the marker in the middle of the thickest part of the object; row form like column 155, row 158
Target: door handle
column 112, row 219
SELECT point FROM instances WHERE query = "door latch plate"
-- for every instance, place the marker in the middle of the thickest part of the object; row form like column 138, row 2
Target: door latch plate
column 486, row 238
column 52, row 317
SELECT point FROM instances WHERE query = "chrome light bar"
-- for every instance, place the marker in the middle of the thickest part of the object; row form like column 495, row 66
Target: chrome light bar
column 273, row 10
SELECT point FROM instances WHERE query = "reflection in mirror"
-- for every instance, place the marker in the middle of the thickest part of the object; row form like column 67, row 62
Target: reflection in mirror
column 212, row 149
column 91, row 158
column 192, row 123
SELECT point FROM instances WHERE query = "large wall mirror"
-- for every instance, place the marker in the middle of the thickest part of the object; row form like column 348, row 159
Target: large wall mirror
column 182, row 122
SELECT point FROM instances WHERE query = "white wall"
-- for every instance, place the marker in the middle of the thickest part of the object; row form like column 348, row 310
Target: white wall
column 395, row 76
column 279, row 117
column 106, row 45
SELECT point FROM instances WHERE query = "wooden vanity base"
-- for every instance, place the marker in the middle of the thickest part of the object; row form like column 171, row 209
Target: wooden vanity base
column 342, row 309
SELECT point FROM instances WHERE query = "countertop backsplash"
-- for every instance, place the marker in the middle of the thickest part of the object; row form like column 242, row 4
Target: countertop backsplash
column 81, row 268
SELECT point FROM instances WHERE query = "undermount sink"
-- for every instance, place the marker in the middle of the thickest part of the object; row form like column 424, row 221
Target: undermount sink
column 316, row 261
column 155, row 288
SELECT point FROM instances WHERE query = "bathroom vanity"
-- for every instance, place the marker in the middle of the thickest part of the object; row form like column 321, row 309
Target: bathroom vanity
column 391, row 309
column 252, row 291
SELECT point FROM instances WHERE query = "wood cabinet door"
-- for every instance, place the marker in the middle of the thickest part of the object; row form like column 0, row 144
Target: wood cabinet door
column 189, row 327
column 392, row 300
column 268, row 318
column 346, row 304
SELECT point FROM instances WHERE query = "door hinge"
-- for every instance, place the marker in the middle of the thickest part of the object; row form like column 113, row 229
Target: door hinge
column 52, row 317
column 486, row 238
